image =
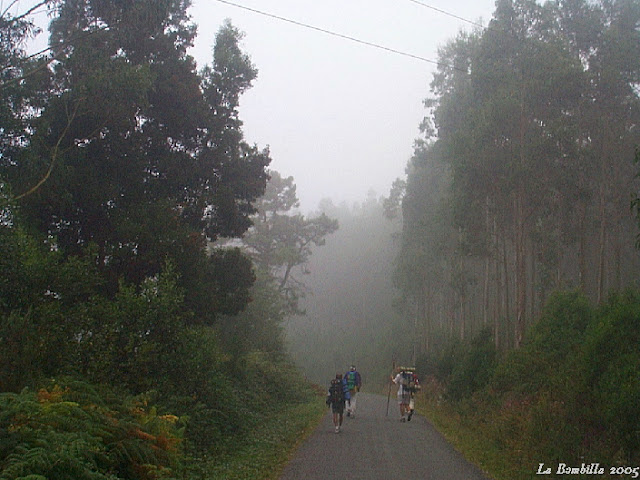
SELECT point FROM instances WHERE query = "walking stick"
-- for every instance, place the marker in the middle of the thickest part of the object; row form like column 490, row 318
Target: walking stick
column 393, row 368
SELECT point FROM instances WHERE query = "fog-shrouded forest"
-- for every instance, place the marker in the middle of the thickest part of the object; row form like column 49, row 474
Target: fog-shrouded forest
column 163, row 298
column 349, row 309
column 522, row 185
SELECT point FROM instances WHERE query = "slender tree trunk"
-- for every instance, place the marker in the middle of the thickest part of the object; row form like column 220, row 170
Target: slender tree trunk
column 618, row 252
column 487, row 266
column 497, row 300
column 582, row 260
column 605, row 180
column 415, row 341
column 602, row 244
column 497, row 311
column 451, row 304
column 507, row 299
column 426, row 317
column 462, row 319
column 485, row 291
column 532, row 291
column 520, row 237
column 520, row 258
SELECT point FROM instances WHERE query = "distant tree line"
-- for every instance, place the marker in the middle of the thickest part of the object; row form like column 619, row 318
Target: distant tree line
column 523, row 182
column 349, row 312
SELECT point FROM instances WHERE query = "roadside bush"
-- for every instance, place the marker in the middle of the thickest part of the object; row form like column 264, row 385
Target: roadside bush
column 474, row 368
column 271, row 379
column 557, row 336
column 200, row 387
column 463, row 367
column 441, row 364
column 612, row 364
column 570, row 393
column 224, row 398
column 560, row 330
column 130, row 340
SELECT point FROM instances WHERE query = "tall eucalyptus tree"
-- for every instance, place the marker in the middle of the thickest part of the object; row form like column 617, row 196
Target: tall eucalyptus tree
column 536, row 118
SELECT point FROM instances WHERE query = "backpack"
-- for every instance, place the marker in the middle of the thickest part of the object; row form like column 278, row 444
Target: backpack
column 336, row 394
column 409, row 382
column 351, row 379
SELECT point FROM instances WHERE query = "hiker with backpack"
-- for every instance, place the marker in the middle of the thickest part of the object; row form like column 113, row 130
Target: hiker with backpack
column 408, row 384
column 354, row 382
column 337, row 396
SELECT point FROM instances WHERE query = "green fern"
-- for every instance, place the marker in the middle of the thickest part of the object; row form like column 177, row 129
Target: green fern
column 68, row 431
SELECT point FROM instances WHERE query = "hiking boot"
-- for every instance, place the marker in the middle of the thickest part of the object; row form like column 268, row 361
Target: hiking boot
column 402, row 419
column 337, row 429
column 409, row 416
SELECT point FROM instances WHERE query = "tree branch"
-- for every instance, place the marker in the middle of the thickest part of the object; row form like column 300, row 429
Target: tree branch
column 28, row 12
column 54, row 156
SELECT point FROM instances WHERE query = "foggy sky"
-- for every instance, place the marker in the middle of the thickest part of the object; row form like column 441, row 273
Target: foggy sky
column 338, row 116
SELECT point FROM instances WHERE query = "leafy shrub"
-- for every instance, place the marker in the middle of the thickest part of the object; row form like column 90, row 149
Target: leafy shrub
column 474, row 368
column 551, row 346
column 130, row 340
column 445, row 363
column 200, row 387
column 273, row 380
column 612, row 364
column 560, row 330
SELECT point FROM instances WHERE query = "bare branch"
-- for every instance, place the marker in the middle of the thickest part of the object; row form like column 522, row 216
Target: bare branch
column 25, row 14
column 54, row 155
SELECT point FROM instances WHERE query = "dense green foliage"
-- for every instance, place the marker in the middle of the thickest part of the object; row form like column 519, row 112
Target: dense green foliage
column 570, row 393
column 121, row 165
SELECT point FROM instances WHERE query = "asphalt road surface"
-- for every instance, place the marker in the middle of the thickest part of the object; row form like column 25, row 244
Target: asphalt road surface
column 373, row 446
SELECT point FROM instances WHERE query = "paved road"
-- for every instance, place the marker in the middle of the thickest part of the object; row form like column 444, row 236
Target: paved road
column 372, row 446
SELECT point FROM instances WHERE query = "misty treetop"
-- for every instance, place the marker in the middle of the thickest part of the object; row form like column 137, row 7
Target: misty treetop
column 125, row 148
column 523, row 181
column 281, row 240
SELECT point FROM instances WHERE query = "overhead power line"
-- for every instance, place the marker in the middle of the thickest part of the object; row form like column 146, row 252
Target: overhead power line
column 452, row 15
column 329, row 32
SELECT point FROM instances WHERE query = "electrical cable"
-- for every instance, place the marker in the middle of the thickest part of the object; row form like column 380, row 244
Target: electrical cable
column 322, row 30
column 335, row 34
column 452, row 15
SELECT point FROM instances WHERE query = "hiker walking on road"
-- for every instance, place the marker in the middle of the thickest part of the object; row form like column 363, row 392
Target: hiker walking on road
column 337, row 396
column 406, row 379
column 414, row 386
column 354, row 382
